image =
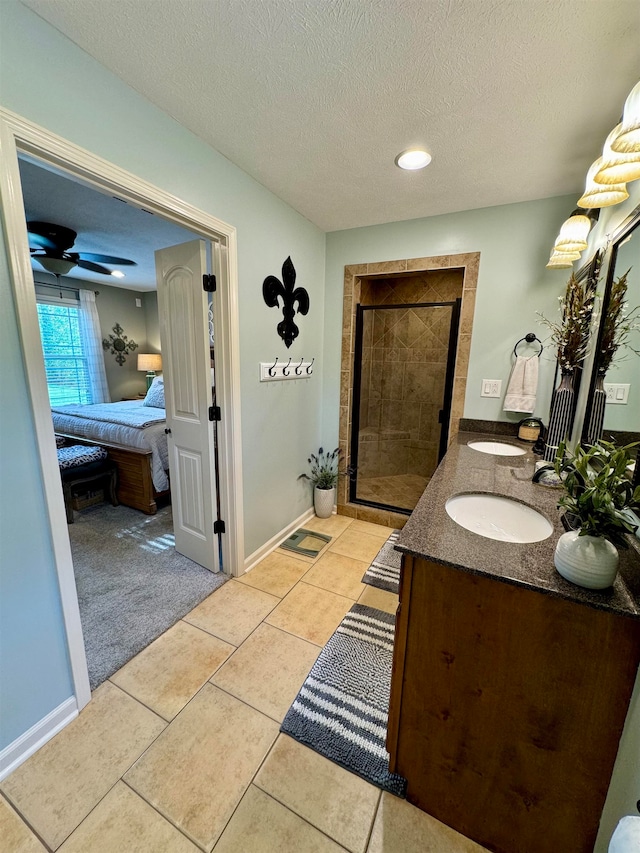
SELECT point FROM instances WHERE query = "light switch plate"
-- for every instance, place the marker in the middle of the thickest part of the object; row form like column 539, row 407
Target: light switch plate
column 617, row 393
column 491, row 387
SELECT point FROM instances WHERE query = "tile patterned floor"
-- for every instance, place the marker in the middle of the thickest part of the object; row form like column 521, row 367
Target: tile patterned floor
column 401, row 490
column 180, row 751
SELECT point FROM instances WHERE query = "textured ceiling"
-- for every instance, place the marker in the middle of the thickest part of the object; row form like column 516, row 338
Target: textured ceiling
column 314, row 98
column 104, row 225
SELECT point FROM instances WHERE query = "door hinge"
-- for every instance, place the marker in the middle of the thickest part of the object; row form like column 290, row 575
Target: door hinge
column 209, row 283
column 214, row 413
column 219, row 526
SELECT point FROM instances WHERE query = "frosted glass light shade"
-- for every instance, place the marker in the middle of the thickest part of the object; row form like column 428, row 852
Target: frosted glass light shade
column 150, row 361
column 601, row 195
column 573, row 233
column 617, row 168
column 562, row 260
column 57, row 266
column 627, row 140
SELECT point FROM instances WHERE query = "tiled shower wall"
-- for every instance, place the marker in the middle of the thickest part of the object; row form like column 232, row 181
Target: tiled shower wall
column 438, row 279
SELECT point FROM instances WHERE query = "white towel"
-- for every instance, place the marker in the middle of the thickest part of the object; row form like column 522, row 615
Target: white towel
column 626, row 838
column 523, row 385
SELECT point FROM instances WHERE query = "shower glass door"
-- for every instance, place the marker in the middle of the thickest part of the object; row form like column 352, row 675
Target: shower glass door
column 403, row 385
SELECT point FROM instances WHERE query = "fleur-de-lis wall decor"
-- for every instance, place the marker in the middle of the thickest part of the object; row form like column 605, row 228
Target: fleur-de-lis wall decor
column 272, row 288
column 119, row 344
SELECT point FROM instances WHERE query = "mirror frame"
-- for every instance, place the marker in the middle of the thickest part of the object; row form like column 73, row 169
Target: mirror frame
column 619, row 235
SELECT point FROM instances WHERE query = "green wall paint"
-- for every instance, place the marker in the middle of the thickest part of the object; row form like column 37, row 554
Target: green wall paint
column 34, row 666
column 514, row 242
column 48, row 80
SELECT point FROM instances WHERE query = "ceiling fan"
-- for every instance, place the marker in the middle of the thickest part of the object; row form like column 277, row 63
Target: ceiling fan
column 49, row 245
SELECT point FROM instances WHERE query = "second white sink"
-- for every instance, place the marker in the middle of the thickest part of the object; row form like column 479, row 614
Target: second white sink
column 495, row 517
column 497, row 448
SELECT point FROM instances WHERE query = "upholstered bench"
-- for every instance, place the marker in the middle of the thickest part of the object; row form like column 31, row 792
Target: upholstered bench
column 82, row 465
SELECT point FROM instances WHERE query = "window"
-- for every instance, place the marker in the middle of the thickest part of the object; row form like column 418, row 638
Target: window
column 64, row 360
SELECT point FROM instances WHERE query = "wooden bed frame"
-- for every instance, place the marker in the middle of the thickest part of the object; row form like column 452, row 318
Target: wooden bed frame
column 135, row 486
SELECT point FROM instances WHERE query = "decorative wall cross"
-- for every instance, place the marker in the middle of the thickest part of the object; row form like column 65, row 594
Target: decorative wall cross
column 119, row 344
column 272, row 288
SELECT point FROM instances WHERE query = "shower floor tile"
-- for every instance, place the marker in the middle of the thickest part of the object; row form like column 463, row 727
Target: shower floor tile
column 401, row 490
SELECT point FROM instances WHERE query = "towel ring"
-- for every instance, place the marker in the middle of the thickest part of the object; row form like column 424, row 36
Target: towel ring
column 529, row 338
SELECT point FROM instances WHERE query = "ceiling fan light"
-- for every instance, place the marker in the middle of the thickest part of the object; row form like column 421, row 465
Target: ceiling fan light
column 616, row 167
column 573, row 233
column 627, row 140
column 562, row 260
column 56, row 266
column 601, row 195
column 117, row 273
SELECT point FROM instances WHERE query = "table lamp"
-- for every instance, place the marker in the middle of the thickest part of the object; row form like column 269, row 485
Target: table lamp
column 150, row 362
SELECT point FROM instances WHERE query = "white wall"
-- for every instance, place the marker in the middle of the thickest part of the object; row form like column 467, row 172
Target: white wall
column 48, row 80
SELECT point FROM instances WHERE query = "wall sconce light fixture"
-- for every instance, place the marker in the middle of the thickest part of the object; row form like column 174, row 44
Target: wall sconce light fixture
column 601, row 195
column 627, row 140
column 617, row 168
column 573, row 233
column 150, row 361
column 562, row 260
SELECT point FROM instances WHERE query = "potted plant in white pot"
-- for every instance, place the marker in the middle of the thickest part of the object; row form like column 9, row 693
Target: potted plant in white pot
column 597, row 493
column 324, row 476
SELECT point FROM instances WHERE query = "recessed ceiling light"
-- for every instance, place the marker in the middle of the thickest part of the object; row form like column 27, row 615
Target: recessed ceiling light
column 117, row 274
column 414, row 158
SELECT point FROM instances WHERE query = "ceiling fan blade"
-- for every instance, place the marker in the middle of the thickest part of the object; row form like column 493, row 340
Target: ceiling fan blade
column 88, row 265
column 41, row 242
column 107, row 259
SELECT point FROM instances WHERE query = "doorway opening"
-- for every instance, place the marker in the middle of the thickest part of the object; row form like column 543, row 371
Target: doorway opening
column 403, row 386
column 21, row 137
column 400, row 284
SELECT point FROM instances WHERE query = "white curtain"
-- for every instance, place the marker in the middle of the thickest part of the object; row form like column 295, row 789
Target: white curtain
column 92, row 347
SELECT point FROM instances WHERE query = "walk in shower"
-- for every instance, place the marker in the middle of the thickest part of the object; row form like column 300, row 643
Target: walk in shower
column 403, row 383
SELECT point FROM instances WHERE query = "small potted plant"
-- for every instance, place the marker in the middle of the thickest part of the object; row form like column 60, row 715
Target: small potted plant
column 324, row 476
column 597, row 493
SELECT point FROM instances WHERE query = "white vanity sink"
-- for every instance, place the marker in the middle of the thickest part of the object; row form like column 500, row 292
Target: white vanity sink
column 500, row 518
column 497, row 448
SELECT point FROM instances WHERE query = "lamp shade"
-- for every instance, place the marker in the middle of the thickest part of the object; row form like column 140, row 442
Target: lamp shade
column 627, row 141
column 562, row 260
column 601, row 195
column 616, row 167
column 573, row 233
column 150, row 361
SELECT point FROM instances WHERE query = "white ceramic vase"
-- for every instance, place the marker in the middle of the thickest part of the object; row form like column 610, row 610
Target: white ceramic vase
column 588, row 561
column 323, row 500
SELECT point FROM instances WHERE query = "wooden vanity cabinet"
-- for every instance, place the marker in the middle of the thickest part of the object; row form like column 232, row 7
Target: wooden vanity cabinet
column 507, row 705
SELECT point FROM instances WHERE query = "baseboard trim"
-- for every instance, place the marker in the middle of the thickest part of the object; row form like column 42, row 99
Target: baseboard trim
column 13, row 755
column 278, row 539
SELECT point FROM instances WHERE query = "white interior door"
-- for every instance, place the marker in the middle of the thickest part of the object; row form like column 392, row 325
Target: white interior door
column 184, row 334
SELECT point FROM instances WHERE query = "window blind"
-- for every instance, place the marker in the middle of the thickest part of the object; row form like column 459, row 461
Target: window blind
column 64, row 360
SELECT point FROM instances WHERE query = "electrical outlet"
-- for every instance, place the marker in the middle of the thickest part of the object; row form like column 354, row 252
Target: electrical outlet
column 491, row 387
column 617, row 393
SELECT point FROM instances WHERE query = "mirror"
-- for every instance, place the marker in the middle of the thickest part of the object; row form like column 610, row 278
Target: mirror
column 621, row 419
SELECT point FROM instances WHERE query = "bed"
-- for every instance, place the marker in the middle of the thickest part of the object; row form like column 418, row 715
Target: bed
column 135, row 437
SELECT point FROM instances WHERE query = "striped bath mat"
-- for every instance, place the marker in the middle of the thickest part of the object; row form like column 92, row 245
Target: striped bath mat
column 384, row 572
column 342, row 708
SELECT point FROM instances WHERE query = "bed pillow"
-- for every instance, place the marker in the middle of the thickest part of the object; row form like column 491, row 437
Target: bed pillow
column 155, row 394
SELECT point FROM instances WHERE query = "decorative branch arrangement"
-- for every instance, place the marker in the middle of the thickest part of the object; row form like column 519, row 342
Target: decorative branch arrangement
column 618, row 324
column 272, row 288
column 119, row 344
column 570, row 335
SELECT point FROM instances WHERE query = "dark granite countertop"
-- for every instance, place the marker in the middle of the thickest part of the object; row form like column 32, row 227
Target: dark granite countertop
column 432, row 534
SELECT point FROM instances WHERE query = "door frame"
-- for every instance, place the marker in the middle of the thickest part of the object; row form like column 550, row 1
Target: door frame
column 19, row 135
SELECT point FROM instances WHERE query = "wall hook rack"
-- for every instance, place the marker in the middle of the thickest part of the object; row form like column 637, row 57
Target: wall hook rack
column 278, row 370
